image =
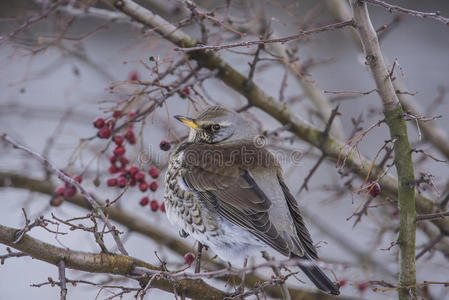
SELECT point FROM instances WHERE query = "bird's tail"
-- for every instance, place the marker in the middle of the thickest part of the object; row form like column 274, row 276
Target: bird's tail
column 317, row 276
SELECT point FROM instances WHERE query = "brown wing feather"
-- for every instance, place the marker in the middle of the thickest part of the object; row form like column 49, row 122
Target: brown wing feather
column 301, row 229
column 228, row 188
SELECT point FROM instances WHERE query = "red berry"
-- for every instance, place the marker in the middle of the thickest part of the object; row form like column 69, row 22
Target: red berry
column 132, row 115
column 132, row 181
column 121, row 182
column 189, row 258
column 185, row 92
column 163, row 207
column 113, row 159
column 56, row 201
column 104, row 132
column 133, row 171
column 140, row 176
column 342, row 282
column 165, row 145
column 118, row 140
column 113, row 169
column 132, row 140
column 119, row 150
column 133, row 76
column 117, row 114
column 124, row 161
column 144, row 201
column 60, row 191
column 99, row 123
column 363, row 286
column 78, row 178
column 112, row 182
column 129, row 134
column 375, row 190
column 154, row 186
column 154, row 205
column 154, row 173
column 69, row 191
column 143, row 186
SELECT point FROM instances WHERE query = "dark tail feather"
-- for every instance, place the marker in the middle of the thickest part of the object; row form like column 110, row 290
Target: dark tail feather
column 320, row 279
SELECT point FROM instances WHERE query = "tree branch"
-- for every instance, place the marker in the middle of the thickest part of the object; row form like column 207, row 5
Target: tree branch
column 420, row 14
column 106, row 263
column 311, row 90
column 268, row 41
column 141, row 226
column 403, row 159
column 431, row 131
column 61, row 175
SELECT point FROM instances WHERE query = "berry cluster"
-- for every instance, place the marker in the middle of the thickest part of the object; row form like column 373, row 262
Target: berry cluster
column 65, row 192
column 119, row 163
column 125, row 175
column 134, row 176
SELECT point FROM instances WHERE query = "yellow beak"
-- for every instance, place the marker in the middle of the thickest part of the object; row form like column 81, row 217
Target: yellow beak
column 187, row 121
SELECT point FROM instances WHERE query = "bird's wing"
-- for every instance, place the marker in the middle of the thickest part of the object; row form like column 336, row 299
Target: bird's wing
column 301, row 229
column 221, row 177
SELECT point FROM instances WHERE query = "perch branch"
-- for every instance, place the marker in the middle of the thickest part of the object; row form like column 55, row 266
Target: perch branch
column 105, row 263
column 143, row 227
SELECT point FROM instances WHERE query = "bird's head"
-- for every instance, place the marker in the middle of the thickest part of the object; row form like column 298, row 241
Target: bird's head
column 217, row 124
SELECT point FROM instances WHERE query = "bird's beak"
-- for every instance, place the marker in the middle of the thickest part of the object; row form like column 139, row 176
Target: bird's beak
column 187, row 121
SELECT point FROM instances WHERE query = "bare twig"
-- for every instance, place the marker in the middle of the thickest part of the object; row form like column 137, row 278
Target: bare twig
column 268, row 41
column 199, row 253
column 276, row 271
column 325, row 136
column 40, row 16
column 432, row 216
column 10, row 254
column 435, row 15
column 61, row 175
column 62, row 279
column 430, row 245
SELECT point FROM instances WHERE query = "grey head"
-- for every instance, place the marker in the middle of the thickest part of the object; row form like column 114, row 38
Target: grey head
column 217, row 124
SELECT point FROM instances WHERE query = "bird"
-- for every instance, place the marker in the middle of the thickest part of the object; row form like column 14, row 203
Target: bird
column 228, row 192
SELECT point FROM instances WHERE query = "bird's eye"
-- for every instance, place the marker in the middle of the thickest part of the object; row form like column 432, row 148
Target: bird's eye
column 216, row 127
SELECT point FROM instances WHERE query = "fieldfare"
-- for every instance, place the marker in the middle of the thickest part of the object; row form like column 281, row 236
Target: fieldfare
column 228, row 193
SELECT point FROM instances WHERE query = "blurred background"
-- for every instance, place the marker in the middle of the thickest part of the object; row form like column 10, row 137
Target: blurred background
column 52, row 91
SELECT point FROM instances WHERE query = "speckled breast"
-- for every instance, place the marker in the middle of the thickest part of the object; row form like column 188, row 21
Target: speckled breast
column 183, row 209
